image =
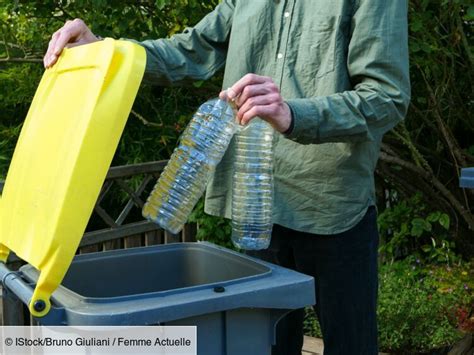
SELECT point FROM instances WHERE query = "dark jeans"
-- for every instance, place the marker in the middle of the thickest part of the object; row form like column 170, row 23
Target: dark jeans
column 346, row 281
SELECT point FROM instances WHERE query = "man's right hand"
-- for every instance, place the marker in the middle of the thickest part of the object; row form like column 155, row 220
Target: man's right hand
column 73, row 33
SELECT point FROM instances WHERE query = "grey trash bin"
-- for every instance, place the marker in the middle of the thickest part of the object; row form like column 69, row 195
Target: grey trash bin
column 234, row 300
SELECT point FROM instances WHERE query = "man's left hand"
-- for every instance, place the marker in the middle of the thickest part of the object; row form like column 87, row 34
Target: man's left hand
column 257, row 95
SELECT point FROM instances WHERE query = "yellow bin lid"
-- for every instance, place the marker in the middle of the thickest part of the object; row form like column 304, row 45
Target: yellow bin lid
column 62, row 156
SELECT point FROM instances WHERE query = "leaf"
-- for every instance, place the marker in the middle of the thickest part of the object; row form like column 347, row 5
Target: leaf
column 404, row 228
column 426, row 48
column 160, row 4
column 444, row 220
column 426, row 248
column 416, row 25
column 418, row 226
column 469, row 16
column 433, row 217
column 414, row 46
column 470, row 150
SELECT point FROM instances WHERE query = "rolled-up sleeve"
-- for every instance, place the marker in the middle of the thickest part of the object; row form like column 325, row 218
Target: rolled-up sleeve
column 195, row 54
column 379, row 70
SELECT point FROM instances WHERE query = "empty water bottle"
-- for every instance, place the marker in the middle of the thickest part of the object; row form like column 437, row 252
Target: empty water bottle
column 184, row 179
column 252, row 191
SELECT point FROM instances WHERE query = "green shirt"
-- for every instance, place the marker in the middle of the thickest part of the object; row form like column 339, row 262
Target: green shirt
column 341, row 65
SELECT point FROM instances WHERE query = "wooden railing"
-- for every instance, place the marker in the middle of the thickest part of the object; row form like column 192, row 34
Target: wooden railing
column 117, row 222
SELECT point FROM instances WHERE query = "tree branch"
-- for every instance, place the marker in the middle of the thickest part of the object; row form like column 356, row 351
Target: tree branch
column 404, row 137
column 13, row 45
column 453, row 146
column 145, row 121
column 447, row 135
column 464, row 40
column 21, row 60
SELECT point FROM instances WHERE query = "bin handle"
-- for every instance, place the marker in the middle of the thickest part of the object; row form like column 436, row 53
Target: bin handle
column 13, row 282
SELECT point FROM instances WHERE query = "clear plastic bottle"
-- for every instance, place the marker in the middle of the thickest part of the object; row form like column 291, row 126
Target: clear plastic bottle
column 252, row 188
column 184, row 179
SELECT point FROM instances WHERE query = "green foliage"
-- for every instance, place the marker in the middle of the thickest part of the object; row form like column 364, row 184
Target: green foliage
column 423, row 308
column 8, row 137
column 426, row 152
column 311, row 325
column 213, row 229
column 410, row 228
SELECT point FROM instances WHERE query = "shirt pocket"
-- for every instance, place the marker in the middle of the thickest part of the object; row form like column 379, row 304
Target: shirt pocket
column 316, row 46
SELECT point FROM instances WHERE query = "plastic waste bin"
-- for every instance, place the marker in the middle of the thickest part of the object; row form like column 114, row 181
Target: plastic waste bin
column 467, row 178
column 234, row 300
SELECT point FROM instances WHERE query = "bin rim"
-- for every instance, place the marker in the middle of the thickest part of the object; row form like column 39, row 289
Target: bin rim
column 29, row 273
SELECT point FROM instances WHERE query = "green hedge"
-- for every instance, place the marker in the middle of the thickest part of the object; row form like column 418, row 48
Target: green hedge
column 421, row 308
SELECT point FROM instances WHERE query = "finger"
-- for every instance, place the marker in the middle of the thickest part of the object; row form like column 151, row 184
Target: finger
column 253, row 90
column 223, row 95
column 52, row 60
column 52, row 54
column 63, row 39
column 57, row 47
column 74, row 44
column 49, row 51
column 66, row 29
column 248, row 79
column 263, row 112
column 261, row 100
column 70, row 32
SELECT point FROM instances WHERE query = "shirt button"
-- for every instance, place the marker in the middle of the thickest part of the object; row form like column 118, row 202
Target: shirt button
column 280, row 55
column 287, row 14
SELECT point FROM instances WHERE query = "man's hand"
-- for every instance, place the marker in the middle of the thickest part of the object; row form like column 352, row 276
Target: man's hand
column 73, row 33
column 257, row 95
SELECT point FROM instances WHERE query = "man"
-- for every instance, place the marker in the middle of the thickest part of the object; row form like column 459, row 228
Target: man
column 332, row 77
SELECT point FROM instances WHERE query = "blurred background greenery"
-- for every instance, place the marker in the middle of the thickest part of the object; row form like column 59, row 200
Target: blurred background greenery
column 426, row 221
